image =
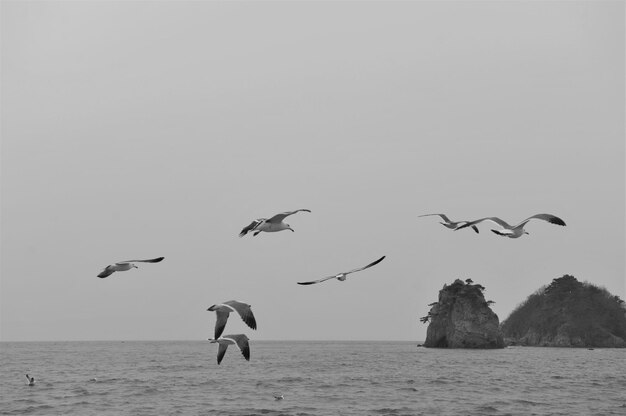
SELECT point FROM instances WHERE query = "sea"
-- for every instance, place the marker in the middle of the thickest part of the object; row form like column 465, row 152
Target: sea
column 314, row 378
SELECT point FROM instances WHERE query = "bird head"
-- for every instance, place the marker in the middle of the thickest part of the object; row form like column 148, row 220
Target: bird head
column 135, row 266
column 289, row 228
column 526, row 232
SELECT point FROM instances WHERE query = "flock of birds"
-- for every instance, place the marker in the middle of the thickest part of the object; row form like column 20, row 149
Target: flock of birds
column 275, row 224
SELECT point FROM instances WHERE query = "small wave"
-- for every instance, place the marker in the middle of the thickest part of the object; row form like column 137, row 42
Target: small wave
column 151, row 390
column 390, row 411
column 290, row 379
column 486, row 408
column 25, row 401
column 408, row 389
column 527, row 402
column 29, row 409
column 260, row 411
column 80, row 391
column 438, row 381
column 386, row 411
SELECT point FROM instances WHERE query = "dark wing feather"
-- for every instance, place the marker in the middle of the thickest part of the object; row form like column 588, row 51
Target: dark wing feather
column 251, row 226
column 244, row 311
column 552, row 219
column 106, row 272
column 242, row 344
column 220, row 352
column 368, row 266
column 155, row 260
column 499, row 233
column 220, row 323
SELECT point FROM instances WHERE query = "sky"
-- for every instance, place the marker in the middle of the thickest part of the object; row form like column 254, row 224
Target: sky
column 135, row 130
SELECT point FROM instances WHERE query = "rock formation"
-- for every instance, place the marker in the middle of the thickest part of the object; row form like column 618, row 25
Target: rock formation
column 568, row 313
column 462, row 319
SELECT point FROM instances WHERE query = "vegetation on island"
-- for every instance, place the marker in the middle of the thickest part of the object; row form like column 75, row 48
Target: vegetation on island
column 462, row 318
column 568, row 313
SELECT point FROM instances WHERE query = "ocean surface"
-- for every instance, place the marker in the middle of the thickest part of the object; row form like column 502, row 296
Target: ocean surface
column 315, row 378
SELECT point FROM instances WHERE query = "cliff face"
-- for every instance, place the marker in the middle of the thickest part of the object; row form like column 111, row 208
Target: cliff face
column 568, row 313
column 462, row 319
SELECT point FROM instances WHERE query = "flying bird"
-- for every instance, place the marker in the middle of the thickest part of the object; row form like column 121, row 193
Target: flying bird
column 122, row 266
column 222, row 310
column 342, row 276
column 240, row 340
column 270, row 225
column 515, row 231
column 451, row 224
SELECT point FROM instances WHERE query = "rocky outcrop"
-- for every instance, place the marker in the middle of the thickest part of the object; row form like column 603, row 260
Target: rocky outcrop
column 568, row 313
column 461, row 318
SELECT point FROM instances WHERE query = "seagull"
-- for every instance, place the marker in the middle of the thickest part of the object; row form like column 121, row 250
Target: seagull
column 125, row 265
column 451, row 224
column 270, row 225
column 278, row 396
column 240, row 340
column 515, row 231
column 31, row 380
column 222, row 310
column 342, row 276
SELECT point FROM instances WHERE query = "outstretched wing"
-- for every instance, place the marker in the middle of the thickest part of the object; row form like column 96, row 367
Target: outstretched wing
column 108, row 271
column 243, row 309
column 241, row 341
column 220, row 323
column 496, row 220
column 318, row 281
column 552, row 219
column 462, row 224
column 280, row 217
column 156, row 260
column 368, row 266
column 443, row 216
column 253, row 225
column 220, row 352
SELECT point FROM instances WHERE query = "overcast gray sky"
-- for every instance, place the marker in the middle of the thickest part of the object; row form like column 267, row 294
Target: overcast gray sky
column 145, row 129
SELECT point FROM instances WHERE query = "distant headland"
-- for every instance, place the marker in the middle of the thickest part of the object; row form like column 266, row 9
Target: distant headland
column 568, row 313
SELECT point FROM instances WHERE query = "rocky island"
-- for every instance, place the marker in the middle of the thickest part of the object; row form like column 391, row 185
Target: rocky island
column 568, row 313
column 461, row 318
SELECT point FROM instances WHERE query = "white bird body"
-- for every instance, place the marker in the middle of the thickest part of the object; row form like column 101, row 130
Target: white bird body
column 515, row 231
column 240, row 340
column 223, row 310
column 123, row 266
column 270, row 225
column 343, row 275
